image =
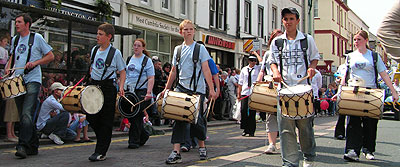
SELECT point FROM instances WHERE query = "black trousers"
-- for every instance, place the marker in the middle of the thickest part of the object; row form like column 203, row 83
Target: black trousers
column 317, row 106
column 248, row 120
column 102, row 122
column 340, row 129
column 137, row 134
column 361, row 133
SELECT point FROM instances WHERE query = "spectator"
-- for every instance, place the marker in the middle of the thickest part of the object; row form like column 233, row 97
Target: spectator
column 329, row 94
column 79, row 122
column 10, row 117
column 53, row 119
column 3, row 53
column 232, row 88
column 157, row 88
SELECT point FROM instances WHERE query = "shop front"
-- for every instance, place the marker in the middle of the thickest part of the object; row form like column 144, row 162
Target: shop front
column 71, row 33
column 160, row 31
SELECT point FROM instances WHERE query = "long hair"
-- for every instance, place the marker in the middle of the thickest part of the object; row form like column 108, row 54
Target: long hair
column 141, row 40
column 273, row 35
column 363, row 34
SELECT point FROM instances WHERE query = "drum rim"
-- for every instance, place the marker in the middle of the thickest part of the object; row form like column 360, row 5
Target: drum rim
column 80, row 101
column 280, row 93
column 137, row 109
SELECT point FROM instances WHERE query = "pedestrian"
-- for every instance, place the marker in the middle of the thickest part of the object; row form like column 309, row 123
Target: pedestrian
column 184, row 70
column 284, row 70
column 247, row 78
column 316, row 84
column 29, row 57
column 361, row 132
column 271, row 120
column 103, row 74
column 140, row 81
column 232, row 89
column 53, row 119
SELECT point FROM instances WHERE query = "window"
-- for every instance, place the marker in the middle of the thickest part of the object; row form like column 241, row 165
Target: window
column 316, row 8
column 183, row 7
column 212, row 13
column 146, row 2
column 247, row 16
column 333, row 11
column 274, row 19
column 338, row 14
column 333, row 44
column 221, row 14
column 217, row 14
column 165, row 4
column 261, row 21
column 345, row 20
column 341, row 17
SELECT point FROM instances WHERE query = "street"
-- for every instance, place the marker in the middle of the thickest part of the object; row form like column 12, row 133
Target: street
column 226, row 147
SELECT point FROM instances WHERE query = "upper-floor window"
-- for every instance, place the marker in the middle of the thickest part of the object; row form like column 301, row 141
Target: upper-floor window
column 183, row 7
column 274, row 17
column 146, row 2
column 333, row 11
column 247, row 16
column 316, row 8
column 217, row 14
column 165, row 4
column 260, row 21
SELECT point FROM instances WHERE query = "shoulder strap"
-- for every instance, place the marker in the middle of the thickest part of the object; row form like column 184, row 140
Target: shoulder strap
column 178, row 58
column 304, row 47
column 127, row 60
column 195, row 59
column 16, row 40
column 93, row 55
column 109, row 58
column 279, row 44
column 375, row 59
column 348, row 68
column 144, row 62
column 30, row 44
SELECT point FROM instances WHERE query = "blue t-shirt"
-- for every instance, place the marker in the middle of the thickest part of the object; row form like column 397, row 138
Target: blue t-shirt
column 133, row 70
column 186, row 66
column 98, row 65
column 39, row 49
column 49, row 105
column 362, row 66
column 213, row 67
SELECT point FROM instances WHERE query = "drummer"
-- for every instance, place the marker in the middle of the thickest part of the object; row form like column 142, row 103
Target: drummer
column 29, row 58
column 361, row 131
column 271, row 123
column 139, row 80
column 290, row 69
column 185, row 68
column 104, row 77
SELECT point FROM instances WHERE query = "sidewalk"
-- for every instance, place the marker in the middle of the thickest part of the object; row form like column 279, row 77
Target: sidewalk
column 91, row 134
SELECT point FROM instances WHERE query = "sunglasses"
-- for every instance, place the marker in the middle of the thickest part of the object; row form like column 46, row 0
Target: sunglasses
column 252, row 60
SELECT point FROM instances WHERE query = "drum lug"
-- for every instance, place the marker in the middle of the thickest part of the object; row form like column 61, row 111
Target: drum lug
column 187, row 99
column 271, row 85
column 186, row 108
column 366, row 101
column 307, row 102
column 355, row 90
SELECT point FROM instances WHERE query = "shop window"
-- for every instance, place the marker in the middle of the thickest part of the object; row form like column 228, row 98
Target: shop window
column 151, row 40
column 165, row 42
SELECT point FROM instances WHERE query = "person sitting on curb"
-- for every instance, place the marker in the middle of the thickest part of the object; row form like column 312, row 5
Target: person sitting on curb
column 53, row 119
column 79, row 122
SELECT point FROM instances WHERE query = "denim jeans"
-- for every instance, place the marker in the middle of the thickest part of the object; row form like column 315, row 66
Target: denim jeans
column 74, row 125
column 289, row 147
column 58, row 125
column 26, row 105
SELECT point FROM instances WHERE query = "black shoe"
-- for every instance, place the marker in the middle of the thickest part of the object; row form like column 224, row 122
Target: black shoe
column 97, row 157
column 21, row 152
column 251, row 135
column 174, row 158
column 32, row 152
column 340, row 137
column 133, row 146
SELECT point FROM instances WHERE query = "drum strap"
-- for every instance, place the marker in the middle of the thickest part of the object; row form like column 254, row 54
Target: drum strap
column 109, row 58
column 15, row 46
column 30, row 44
column 144, row 62
column 31, row 39
column 195, row 59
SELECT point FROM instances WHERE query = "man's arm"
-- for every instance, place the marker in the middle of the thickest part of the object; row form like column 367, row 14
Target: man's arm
column 44, row 60
column 122, row 78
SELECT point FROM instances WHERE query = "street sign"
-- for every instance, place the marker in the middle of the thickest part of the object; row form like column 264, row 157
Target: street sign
column 256, row 45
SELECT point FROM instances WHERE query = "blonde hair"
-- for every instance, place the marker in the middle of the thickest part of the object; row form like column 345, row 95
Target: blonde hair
column 184, row 22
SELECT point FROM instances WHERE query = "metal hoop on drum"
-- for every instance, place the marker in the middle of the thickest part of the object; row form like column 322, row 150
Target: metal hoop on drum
column 125, row 108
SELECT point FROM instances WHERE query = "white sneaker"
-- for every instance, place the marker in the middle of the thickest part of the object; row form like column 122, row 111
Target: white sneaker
column 43, row 136
column 56, row 139
column 308, row 163
column 369, row 156
column 270, row 150
column 351, row 156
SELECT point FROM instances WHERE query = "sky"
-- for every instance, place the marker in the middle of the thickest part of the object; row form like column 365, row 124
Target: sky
column 371, row 11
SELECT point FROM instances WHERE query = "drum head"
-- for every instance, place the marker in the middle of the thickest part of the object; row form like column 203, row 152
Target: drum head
column 92, row 100
column 295, row 90
column 125, row 108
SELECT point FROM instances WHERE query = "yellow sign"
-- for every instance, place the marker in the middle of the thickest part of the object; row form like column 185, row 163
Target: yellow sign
column 248, row 45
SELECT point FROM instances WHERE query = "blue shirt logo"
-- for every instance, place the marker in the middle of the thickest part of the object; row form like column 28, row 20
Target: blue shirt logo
column 100, row 63
column 360, row 65
column 131, row 67
column 21, row 48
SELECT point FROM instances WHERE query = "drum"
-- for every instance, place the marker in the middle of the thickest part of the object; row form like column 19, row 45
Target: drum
column 179, row 106
column 361, row 102
column 12, row 86
column 264, row 97
column 296, row 102
column 125, row 108
column 85, row 99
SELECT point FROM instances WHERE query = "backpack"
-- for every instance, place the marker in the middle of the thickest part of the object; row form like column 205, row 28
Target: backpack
column 304, row 46
column 195, row 59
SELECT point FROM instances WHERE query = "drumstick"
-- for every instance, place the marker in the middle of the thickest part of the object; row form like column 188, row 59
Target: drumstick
column 303, row 79
column 16, row 68
column 244, row 97
column 139, row 102
column 287, row 86
column 65, row 95
column 151, row 104
column 128, row 100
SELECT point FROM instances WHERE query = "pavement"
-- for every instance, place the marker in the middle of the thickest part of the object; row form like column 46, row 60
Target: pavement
column 115, row 133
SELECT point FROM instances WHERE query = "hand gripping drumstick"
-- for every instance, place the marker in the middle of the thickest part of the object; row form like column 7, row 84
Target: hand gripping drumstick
column 155, row 101
column 65, row 95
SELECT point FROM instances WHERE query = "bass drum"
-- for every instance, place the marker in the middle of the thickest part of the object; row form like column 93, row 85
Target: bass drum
column 125, row 108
